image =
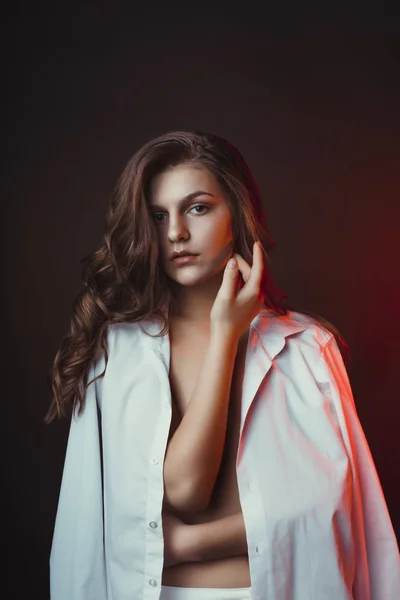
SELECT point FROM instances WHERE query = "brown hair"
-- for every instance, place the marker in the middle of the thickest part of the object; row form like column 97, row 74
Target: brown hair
column 123, row 280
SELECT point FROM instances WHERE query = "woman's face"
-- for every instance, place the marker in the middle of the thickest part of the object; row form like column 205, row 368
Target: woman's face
column 191, row 213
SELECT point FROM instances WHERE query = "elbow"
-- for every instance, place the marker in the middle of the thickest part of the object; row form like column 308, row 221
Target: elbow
column 187, row 500
column 194, row 502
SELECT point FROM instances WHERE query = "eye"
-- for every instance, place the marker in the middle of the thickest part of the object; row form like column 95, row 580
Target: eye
column 199, row 206
column 155, row 215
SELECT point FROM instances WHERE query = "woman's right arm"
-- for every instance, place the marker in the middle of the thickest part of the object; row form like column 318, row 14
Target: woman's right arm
column 194, row 454
column 193, row 457
column 221, row 538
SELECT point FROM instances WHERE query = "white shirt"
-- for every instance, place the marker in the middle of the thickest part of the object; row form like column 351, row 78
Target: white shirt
column 316, row 520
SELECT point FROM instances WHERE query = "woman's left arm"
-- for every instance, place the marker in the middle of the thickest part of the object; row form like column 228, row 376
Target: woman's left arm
column 377, row 568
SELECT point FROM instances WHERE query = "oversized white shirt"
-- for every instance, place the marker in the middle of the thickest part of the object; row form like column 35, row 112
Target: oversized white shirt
column 316, row 520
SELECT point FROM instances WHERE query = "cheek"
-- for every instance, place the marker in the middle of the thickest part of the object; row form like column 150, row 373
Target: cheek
column 218, row 233
column 225, row 252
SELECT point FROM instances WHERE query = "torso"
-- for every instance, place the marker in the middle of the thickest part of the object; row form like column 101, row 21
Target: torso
column 189, row 348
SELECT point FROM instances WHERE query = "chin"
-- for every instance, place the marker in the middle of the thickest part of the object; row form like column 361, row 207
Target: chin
column 188, row 281
column 190, row 277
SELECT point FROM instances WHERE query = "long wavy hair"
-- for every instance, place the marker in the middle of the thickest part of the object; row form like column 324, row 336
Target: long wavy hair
column 124, row 281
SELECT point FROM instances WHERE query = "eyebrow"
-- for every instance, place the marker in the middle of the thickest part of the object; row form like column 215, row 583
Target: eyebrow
column 186, row 199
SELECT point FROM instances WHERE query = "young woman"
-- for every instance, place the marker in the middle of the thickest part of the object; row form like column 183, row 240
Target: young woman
column 214, row 450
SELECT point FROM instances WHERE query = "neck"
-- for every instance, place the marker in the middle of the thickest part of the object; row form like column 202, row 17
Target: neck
column 194, row 303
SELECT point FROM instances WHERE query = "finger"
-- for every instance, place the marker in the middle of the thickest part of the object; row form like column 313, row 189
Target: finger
column 244, row 267
column 252, row 285
column 254, row 272
column 239, row 283
column 227, row 290
column 257, row 267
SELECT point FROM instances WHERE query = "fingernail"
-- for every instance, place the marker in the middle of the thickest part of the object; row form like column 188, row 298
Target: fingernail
column 231, row 263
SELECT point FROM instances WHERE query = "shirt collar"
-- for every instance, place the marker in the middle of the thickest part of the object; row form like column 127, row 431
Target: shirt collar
column 273, row 330
column 268, row 331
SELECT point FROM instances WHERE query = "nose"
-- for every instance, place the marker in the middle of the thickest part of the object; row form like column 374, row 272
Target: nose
column 177, row 230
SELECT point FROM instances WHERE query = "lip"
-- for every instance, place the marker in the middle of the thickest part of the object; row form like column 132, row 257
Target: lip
column 184, row 259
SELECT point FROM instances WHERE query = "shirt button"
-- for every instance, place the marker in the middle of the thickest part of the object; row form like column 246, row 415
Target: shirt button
column 153, row 524
column 153, row 582
column 154, row 460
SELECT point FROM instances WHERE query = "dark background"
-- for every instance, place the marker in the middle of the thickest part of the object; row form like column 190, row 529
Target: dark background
column 311, row 100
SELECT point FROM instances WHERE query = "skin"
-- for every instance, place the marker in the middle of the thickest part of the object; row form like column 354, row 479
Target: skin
column 205, row 230
column 184, row 542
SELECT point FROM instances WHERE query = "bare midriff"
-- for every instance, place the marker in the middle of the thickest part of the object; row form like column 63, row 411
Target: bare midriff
column 232, row 571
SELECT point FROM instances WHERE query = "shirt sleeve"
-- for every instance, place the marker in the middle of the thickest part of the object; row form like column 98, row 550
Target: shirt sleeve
column 377, row 560
column 77, row 566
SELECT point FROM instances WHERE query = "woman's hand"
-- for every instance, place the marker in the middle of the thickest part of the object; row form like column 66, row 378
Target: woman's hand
column 235, row 307
column 175, row 536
